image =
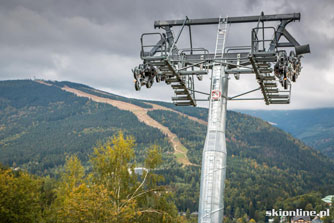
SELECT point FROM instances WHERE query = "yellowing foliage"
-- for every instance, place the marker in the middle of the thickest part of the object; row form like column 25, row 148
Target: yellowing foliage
column 19, row 197
column 112, row 192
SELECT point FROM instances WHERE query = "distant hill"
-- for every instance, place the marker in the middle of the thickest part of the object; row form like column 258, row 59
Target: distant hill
column 315, row 127
column 42, row 121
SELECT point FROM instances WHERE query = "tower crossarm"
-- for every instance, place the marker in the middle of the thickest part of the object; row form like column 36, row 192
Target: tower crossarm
column 231, row 20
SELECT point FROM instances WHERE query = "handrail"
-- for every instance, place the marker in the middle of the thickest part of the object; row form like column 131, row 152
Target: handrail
column 159, row 44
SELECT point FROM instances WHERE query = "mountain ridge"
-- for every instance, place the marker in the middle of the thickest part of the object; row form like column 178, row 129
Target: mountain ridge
column 41, row 123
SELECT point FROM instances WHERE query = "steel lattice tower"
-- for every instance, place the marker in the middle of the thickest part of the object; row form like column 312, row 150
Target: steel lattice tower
column 266, row 58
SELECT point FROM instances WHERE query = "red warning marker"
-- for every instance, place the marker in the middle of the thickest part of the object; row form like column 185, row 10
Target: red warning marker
column 215, row 94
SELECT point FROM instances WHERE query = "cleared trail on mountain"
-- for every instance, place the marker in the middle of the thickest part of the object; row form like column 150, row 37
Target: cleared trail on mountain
column 159, row 107
column 180, row 151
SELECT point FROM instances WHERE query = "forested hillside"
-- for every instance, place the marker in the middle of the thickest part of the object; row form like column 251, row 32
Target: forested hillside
column 315, row 127
column 40, row 125
column 264, row 163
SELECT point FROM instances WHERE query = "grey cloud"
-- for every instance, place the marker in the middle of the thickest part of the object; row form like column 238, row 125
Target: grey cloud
column 97, row 42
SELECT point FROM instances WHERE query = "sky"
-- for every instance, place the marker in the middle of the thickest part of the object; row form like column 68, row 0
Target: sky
column 97, row 42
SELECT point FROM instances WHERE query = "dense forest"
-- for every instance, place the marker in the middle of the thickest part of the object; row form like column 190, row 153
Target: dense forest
column 42, row 126
column 315, row 127
column 111, row 191
column 265, row 164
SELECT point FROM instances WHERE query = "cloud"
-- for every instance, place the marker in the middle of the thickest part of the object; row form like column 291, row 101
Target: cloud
column 97, row 42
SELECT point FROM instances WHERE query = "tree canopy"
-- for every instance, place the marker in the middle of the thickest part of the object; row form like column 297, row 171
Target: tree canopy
column 110, row 191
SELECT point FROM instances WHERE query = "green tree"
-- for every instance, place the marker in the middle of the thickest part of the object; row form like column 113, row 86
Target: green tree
column 113, row 167
column 113, row 192
column 309, row 207
column 20, row 197
column 237, row 213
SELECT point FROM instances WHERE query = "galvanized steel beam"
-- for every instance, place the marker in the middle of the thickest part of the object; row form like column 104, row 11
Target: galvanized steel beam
column 239, row 19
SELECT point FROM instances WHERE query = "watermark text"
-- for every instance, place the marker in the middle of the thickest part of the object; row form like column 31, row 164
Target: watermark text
column 297, row 212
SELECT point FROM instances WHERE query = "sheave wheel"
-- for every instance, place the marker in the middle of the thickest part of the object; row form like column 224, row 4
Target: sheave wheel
column 149, row 83
column 294, row 77
column 157, row 78
column 137, row 86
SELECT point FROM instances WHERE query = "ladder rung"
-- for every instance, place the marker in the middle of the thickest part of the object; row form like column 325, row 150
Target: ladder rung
column 184, row 98
column 273, row 90
column 278, row 96
column 183, row 103
column 180, row 92
column 270, row 84
column 177, row 86
column 263, row 65
column 172, row 80
column 265, row 70
column 279, row 101
column 268, row 78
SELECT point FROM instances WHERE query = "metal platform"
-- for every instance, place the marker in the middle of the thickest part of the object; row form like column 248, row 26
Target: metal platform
column 180, row 67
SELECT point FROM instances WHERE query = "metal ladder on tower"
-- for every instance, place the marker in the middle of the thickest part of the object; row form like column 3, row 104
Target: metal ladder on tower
column 216, row 87
column 215, row 119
